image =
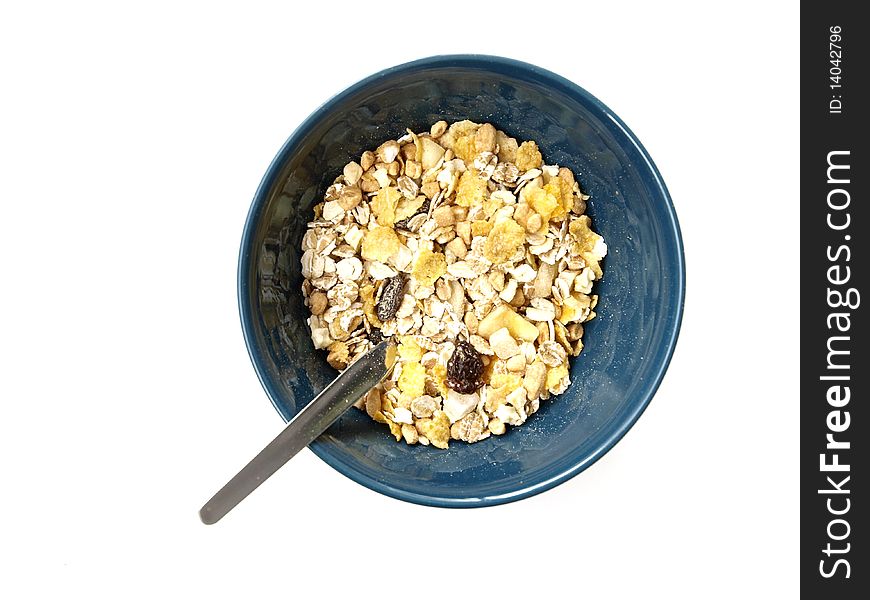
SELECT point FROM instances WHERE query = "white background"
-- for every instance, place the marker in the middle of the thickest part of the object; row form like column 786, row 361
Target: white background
column 131, row 143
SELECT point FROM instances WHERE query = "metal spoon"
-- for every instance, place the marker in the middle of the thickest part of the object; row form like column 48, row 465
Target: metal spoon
column 310, row 422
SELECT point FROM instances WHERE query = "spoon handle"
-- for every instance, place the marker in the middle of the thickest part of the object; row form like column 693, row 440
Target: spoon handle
column 304, row 428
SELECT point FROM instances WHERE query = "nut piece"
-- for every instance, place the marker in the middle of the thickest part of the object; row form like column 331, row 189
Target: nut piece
column 438, row 129
column 517, row 364
column 457, row 247
column 504, row 316
column 388, row 151
column 373, row 402
column 409, row 432
column 496, row 426
column 422, row 407
column 367, row 160
column 503, row 344
column 432, row 153
column 352, row 172
column 338, row 356
column 317, row 303
column 470, row 320
column 484, row 139
column 536, row 376
column 350, row 196
column 443, row 215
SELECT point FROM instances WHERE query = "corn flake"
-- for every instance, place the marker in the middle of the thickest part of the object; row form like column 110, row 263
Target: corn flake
column 586, row 241
column 543, row 202
column 528, row 156
column 412, row 381
column 564, row 201
column 409, row 350
column 480, row 228
column 555, row 375
column 380, row 244
column 384, row 205
column 395, row 429
column 436, row 429
column 428, row 267
column 503, row 241
column 367, row 295
column 408, row 208
column 471, row 190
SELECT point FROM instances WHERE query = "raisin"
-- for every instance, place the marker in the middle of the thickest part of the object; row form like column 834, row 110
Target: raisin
column 375, row 336
column 391, row 297
column 464, row 369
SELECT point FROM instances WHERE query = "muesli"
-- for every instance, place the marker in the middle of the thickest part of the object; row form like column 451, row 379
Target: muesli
column 478, row 259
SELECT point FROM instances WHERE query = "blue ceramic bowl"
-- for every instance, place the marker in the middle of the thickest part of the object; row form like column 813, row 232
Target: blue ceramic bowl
column 628, row 346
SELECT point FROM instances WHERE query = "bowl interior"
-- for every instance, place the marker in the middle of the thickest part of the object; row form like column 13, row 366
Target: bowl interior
column 627, row 348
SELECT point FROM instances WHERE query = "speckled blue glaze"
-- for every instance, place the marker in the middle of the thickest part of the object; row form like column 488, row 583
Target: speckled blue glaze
column 628, row 347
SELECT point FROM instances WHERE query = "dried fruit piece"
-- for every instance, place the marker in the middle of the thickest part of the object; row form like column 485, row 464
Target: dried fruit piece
column 373, row 402
column 464, row 368
column 503, row 344
column 395, row 429
column 392, row 294
column 507, row 148
column 480, row 228
column 556, row 379
column 533, row 382
column 563, row 191
column 496, row 426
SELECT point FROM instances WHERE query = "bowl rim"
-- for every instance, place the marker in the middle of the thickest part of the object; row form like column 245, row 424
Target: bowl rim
column 322, row 449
